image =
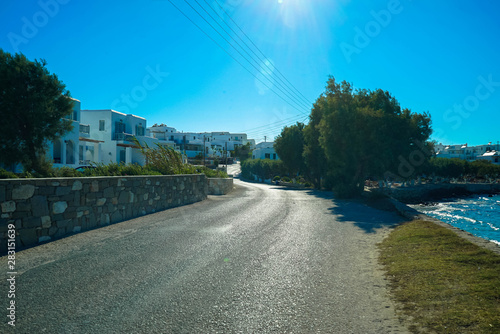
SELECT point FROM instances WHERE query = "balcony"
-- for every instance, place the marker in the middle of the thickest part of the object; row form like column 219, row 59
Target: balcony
column 84, row 130
column 123, row 136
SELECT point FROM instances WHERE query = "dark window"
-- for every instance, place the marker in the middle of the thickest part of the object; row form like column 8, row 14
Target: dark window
column 268, row 155
column 119, row 127
column 139, row 130
column 102, row 125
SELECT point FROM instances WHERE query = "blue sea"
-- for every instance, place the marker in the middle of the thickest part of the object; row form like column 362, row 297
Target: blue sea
column 479, row 215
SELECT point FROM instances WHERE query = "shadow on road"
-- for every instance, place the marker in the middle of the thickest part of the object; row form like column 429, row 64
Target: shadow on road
column 367, row 215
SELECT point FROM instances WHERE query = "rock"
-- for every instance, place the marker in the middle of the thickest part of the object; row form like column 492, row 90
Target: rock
column 9, row 206
column 77, row 185
column 44, row 239
column 25, row 191
column 59, row 207
column 46, row 223
column 39, row 206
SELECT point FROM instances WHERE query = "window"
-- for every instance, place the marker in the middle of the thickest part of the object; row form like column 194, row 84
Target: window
column 139, row 130
column 274, row 156
column 119, row 127
column 102, row 125
column 268, row 155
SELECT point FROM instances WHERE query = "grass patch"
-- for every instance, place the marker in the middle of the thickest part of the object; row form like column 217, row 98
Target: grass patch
column 444, row 283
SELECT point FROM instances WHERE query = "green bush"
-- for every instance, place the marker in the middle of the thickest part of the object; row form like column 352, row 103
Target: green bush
column 7, row 175
column 66, row 172
column 262, row 168
column 456, row 168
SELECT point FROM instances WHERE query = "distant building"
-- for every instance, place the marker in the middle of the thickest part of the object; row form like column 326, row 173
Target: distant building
column 265, row 150
column 213, row 144
column 489, row 152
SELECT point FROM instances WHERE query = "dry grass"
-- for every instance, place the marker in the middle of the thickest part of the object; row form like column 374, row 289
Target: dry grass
column 442, row 282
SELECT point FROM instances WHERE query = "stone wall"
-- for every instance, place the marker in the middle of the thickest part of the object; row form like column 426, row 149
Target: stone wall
column 47, row 209
column 219, row 186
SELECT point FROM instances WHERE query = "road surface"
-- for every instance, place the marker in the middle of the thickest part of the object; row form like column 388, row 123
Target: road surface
column 262, row 259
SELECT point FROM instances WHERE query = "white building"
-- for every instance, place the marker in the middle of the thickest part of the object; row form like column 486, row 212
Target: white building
column 265, row 150
column 490, row 152
column 115, row 131
column 213, row 144
column 75, row 148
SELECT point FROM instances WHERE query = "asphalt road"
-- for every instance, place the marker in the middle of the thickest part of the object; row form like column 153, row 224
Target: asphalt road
column 262, row 259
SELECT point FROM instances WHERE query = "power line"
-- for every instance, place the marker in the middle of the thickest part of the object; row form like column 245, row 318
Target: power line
column 264, row 60
column 273, row 129
column 305, row 99
column 197, row 12
column 268, row 127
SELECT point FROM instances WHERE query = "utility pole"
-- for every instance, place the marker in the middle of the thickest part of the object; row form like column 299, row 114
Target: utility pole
column 265, row 138
column 204, row 152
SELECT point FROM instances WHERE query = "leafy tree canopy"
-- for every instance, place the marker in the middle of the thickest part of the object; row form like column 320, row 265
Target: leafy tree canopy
column 366, row 133
column 289, row 146
column 243, row 152
column 33, row 107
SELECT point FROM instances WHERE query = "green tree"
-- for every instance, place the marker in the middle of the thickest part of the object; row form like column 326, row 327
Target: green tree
column 243, row 152
column 314, row 154
column 366, row 134
column 289, row 146
column 33, row 107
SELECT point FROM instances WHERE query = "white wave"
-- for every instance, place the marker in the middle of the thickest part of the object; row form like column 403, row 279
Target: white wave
column 493, row 227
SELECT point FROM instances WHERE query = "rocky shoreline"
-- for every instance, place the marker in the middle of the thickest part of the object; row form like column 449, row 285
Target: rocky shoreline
column 434, row 192
column 397, row 198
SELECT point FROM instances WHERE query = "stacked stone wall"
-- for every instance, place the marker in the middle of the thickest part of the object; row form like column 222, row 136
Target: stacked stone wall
column 46, row 209
column 219, row 186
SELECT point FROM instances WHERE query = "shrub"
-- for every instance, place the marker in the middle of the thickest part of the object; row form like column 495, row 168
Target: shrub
column 66, row 172
column 7, row 175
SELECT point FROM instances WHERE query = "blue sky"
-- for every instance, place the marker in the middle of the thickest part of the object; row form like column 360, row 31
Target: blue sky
column 148, row 59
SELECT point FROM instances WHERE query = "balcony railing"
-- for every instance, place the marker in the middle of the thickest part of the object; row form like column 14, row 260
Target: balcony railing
column 85, row 128
column 123, row 136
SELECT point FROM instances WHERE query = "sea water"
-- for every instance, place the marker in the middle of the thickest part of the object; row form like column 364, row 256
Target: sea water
column 479, row 215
